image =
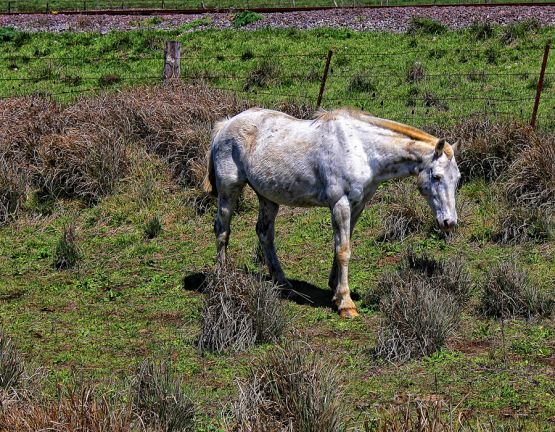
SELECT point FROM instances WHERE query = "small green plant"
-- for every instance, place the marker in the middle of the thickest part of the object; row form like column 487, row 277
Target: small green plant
column 153, row 227
column 481, row 30
column 424, row 25
column 7, row 34
column 360, row 82
column 196, row 23
column 247, row 55
column 67, row 253
column 519, row 30
column 263, row 75
column 160, row 400
column 244, row 18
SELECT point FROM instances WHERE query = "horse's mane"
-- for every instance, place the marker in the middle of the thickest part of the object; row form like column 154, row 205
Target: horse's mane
column 399, row 128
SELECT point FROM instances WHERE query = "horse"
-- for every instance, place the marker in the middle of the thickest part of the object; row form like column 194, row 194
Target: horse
column 336, row 160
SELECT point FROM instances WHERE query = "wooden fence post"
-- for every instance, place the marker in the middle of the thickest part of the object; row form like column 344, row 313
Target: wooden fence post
column 540, row 86
column 172, row 57
column 324, row 79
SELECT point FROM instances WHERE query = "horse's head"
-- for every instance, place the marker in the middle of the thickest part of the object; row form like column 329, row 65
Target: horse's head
column 437, row 182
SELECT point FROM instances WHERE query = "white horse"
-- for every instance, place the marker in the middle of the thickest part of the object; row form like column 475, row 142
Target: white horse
column 336, row 160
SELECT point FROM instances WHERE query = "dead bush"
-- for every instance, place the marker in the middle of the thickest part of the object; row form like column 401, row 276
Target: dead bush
column 67, row 252
column 161, row 400
column 292, row 389
column 489, row 147
column 530, row 179
column 447, row 275
column 79, row 408
column 522, row 224
column 508, row 292
column 418, row 318
column 405, row 212
column 11, row 371
column 239, row 310
column 12, row 189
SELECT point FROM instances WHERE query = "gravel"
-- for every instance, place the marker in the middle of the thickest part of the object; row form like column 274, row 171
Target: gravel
column 394, row 19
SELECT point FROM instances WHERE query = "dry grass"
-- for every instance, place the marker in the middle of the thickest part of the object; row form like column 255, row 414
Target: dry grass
column 508, row 292
column 160, row 399
column 240, row 309
column 489, row 147
column 517, row 225
column 11, row 371
column 67, row 252
column 82, row 150
column 292, row 389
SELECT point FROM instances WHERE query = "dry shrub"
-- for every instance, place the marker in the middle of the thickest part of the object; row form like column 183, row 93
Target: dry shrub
column 292, row 389
column 12, row 189
column 79, row 408
column 489, row 147
column 161, row 400
column 406, row 211
column 521, row 224
column 12, row 371
column 67, row 252
column 421, row 301
column 240, row 309
column 416, row 72
column 508, row 292
column 531, row 177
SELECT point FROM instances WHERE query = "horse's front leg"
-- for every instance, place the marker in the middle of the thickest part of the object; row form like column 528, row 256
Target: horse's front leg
column 341, row 222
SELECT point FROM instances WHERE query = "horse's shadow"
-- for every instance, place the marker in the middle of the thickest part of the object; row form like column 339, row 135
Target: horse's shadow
column 301, row 292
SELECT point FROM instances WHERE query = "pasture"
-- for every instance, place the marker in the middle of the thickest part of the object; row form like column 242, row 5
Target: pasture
column 133, row 291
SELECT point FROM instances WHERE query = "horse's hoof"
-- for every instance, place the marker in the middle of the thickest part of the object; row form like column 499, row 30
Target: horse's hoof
column 348, row 313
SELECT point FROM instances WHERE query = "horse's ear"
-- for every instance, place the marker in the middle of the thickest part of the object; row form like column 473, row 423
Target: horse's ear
column 439, row 148
column 457, row 147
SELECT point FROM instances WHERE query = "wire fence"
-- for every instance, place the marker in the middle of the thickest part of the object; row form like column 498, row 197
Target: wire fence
column 419, row 86
column 49, row 6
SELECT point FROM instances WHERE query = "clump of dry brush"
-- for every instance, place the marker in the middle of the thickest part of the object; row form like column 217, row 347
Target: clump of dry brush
column 421, row 303
column 292, row 389
column 239, row 310
column 83, row 149
column 509, row 292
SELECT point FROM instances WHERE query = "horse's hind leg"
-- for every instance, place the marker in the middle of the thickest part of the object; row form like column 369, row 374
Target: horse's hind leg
column 265, row 228
column 227, row 200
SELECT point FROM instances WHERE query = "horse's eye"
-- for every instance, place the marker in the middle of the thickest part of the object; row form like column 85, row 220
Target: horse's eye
column 436, row 177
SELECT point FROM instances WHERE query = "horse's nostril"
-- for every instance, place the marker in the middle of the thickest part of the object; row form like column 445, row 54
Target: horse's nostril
column 446, row 223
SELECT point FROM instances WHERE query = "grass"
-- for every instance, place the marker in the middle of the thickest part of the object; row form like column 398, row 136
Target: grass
column 272, row 65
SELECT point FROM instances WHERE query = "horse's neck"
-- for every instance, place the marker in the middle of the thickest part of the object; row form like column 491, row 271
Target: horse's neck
column 397, row 158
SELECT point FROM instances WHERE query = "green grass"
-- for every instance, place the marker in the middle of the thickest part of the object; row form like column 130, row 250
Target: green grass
column 126, row 302
column 463, row 75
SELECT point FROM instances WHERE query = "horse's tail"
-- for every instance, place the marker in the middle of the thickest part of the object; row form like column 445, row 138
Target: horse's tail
column 209, row 183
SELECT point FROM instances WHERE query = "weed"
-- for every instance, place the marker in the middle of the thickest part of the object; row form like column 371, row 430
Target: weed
column 492, row 55
column 520, row 225
column 431, row 100
column 360, row 82
column 508, row 292
column 531, row 177
column 67, row 252
column 416, row 72
column 263, row 75
column 196, row 23
column 247, row 55
column 519, row 30
column 244, row 18
column 424, row 25
column 108, row 80
column 292, row 389
column 7, row 34
column 239, row 310
column 153, row 227
column 11, row 366
column 481, row 30
column 161, row 400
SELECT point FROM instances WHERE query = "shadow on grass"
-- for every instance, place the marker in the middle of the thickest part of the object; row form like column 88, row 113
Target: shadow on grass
column 301, row 292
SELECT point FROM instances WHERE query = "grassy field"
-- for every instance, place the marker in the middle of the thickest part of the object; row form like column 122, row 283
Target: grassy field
column 131, row 298
column 70, row 5
column 431, row 75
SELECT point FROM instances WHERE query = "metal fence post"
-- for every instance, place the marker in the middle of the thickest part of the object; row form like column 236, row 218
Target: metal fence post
column 324, row 79
column 540, row 85
column 172, row 57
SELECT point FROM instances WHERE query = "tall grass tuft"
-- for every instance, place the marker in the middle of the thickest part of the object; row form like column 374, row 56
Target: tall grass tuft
column 161, row 400
column 11, row 365
column 67, row 252
column 508, row 292
column 292, row 389
column 239, row 310
column 425, row 25
column 153, row 227
column 264, row 74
